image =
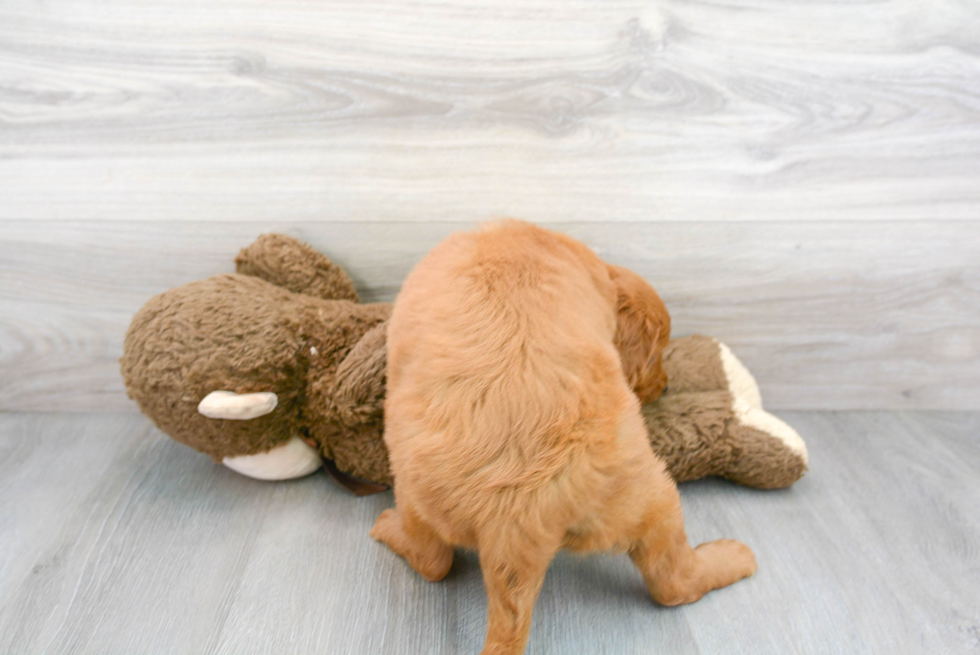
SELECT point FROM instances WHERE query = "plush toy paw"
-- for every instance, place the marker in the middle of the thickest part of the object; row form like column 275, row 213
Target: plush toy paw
column 711, row 421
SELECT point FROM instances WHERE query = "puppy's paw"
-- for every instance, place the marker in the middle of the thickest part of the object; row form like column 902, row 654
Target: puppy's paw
column 728, row 560
column 715, row 564
column 387, row 525
column 423, row 551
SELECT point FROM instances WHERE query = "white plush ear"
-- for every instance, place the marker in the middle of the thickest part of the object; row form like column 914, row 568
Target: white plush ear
column 231, row 405
column 740, row 382
column 293, row 459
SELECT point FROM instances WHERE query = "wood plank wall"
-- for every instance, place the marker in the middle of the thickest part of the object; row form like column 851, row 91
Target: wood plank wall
column 798, row 178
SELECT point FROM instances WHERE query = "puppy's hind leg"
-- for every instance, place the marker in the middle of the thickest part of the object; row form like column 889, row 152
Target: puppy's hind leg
column 674, row 572
column 513, row 572
column 404, row 531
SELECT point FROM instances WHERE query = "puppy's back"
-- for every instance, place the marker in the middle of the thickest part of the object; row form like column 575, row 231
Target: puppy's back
column 500, row 353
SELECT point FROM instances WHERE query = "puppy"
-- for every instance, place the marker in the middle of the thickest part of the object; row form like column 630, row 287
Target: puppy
column 517, row 362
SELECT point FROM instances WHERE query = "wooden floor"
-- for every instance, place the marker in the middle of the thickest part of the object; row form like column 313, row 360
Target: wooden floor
column 114, row 539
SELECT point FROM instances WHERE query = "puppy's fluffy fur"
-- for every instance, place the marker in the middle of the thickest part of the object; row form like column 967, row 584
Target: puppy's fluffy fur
column 517, row 361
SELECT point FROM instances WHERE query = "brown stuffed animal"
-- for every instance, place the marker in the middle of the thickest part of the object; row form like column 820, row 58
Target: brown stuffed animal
column 279, row 368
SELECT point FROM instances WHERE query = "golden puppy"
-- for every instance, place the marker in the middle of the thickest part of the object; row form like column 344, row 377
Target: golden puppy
column 515, row 358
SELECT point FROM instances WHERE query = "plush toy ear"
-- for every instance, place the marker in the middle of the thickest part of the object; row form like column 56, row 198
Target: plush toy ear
column 293, row 265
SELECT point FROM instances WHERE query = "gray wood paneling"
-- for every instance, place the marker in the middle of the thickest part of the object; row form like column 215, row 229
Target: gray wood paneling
column 579, row 110
column 799, row 178
column 114, row 539
column 827, row 315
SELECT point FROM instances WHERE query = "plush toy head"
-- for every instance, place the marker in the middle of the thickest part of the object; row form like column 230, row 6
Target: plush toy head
column 269, row 359
column 275, row 367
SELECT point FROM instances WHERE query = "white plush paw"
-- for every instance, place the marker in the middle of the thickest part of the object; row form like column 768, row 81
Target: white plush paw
column 293, row 459
column 237, row 406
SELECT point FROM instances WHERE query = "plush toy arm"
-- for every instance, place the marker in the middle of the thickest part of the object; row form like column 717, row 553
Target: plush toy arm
column 293, row 265
column 361, row 377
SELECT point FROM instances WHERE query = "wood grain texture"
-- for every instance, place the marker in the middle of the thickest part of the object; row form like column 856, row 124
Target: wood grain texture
column 580, row 110
column 114, row 539
column 826, row 315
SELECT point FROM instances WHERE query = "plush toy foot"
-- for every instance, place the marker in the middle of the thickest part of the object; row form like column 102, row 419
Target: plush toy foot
column 711, row 421
column 293, row 459
column 699, row 363
column 741, row 384
column 773, row 455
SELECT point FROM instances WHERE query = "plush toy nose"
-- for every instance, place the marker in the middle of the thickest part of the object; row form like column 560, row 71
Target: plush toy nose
column 666, row 388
